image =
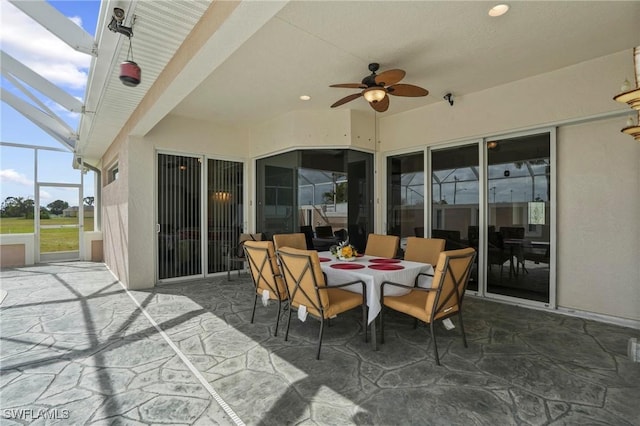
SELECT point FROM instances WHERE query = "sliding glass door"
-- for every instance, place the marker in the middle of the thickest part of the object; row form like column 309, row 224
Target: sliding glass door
column 518, row 247
column 197, row 220
column 179, row 216
column 455, row 199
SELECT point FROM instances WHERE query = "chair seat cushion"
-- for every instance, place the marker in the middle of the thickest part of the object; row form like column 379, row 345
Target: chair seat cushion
column 341, row 300
column 413, row 304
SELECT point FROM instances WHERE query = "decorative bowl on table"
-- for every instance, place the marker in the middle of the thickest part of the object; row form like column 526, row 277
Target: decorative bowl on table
column 344, row 252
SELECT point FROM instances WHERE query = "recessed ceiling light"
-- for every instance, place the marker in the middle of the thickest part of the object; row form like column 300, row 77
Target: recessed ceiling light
column 305, row 97
column 498, row 10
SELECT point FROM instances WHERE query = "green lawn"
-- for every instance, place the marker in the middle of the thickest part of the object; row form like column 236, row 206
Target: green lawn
column 51, row 240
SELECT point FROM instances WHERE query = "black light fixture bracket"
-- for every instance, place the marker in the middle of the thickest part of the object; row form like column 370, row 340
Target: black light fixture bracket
column 115, row 24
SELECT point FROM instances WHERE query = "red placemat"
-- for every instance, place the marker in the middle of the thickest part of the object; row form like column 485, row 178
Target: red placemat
column 347, row 266
column 324, row 259
column 386, row 267
column 385, row 260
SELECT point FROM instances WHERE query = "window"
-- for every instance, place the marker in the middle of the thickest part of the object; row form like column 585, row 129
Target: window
column 112, row 173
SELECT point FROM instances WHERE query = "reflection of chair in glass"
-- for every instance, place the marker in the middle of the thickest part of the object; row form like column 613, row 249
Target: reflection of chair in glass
column 290, row 240
column 307, row 288
column 307, row 230
column 513, row 238
column 382, row 245
column 236, row 254
column 496, row 252
column 265, row 275
column 452, row 238
column 442, row 300
column 341, row 234
column 536, row 253
column 425, row 250
column 324, row 232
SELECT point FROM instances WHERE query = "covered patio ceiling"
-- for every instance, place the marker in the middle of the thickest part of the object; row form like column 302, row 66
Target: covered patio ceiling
column 264, row 55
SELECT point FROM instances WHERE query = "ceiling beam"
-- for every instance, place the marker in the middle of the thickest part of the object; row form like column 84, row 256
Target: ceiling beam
column 58, row 24
column 40, row 119
column 10, row 65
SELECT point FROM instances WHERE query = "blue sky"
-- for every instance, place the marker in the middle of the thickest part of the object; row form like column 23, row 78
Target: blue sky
column 34, row 46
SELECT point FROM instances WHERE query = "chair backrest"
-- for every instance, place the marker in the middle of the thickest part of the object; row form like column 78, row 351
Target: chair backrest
column 324, row 232
column 382, row 245
column 303, row 275
column 451, row 277
column 290, row 240
column 425, row 250
column 263, row 265
column 242, row 239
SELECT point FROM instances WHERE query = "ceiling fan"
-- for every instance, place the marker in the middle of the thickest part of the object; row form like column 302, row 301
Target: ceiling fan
column 376, row 87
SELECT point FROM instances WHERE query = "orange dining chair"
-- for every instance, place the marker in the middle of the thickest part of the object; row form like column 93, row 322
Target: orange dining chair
column 441, row 301
column 382, row 245
column 265, row 275
column 297, row 240
column 307, row 287
column 424, row 250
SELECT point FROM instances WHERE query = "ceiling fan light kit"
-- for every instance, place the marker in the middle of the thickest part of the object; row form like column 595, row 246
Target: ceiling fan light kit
column 377, row 87
column 374, row 94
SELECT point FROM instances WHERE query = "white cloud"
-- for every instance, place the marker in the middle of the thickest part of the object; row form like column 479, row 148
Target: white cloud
column 11, row 176
column 37, row 48
column 44, row 197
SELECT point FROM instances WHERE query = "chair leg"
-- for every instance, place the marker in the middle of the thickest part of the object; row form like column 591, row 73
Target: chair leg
column 275, row 333
column 253, row 313
column 364, row 321
column 435, row 345
column 286, row 335
column 381, row 325
column 464, row 336
column 320, row 337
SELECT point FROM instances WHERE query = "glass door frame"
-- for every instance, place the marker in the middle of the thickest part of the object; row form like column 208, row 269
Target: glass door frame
column 484, row 206
column 483, row 210
column 204, row 246
column 44, row 257
column 202, row 209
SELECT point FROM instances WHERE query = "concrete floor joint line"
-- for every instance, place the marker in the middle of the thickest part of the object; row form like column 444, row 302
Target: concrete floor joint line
column 188, row 363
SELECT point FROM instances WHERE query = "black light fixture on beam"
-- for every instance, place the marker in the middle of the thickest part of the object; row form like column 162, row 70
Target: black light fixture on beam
column 130, row 72
column 116, row 23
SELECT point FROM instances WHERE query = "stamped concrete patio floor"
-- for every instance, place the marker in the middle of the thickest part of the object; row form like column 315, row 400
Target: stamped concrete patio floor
column 76, row 347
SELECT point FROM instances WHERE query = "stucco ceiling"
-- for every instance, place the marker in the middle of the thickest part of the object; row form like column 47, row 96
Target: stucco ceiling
column 447, row 46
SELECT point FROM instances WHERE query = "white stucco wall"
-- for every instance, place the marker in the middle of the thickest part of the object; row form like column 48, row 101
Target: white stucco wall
column 598, row 212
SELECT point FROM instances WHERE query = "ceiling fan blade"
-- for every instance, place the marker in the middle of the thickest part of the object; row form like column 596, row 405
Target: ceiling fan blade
column 381, row 106
column 389, row 77
column 407, row 90
column 346, row 99
column 350, row 85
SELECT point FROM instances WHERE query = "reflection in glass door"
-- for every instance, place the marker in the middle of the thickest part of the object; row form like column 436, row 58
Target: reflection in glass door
column 519, row 217
column 455, row 199
column 179, row 216
column 225, row 219
column 405, row 195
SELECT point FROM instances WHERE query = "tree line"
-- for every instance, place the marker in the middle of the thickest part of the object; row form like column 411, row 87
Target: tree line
column 23, row 207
